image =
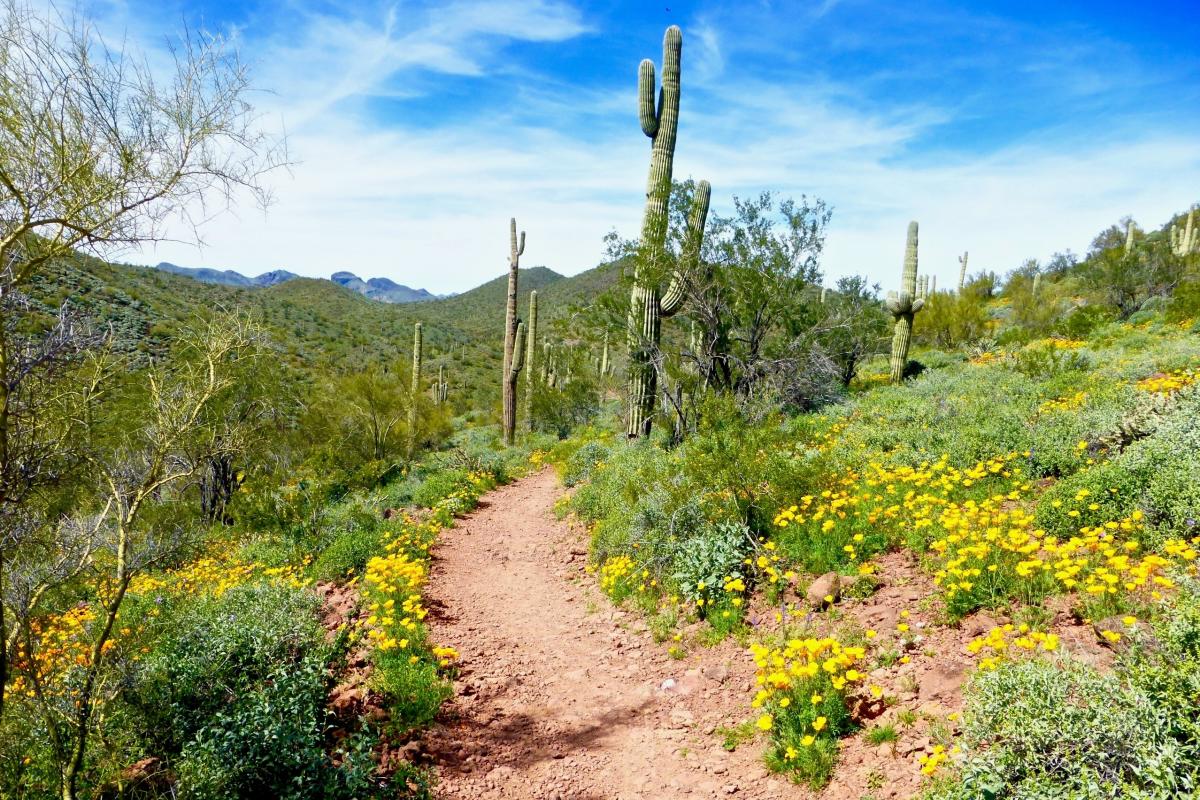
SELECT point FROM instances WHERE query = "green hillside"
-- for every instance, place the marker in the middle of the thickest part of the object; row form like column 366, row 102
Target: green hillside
column 316, row 324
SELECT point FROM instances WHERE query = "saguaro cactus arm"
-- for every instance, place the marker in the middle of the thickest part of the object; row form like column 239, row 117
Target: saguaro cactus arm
column 518, row 361
column 962, row 272
column 647, row 107
column 676, row 294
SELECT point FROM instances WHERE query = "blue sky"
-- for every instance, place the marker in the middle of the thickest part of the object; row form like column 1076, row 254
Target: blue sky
column 1009, row 129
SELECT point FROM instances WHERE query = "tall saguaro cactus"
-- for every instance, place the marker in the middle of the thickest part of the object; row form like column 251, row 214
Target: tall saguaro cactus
column 513, row 352
column 415, row 389
column 659, row 115
column 1129, row 229
column 904, row 306
column 530, row 358
column 962, row 271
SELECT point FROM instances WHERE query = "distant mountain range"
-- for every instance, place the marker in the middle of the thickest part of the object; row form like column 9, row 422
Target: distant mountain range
column 382, row 289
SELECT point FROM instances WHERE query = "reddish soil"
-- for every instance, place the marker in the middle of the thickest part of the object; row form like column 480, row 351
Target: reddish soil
column 562, row 696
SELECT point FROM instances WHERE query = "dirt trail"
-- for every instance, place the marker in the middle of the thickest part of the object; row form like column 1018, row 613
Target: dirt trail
column 560, row 696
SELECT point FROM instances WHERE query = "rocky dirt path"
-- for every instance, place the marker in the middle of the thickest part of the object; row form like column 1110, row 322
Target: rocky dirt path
column 559, row 695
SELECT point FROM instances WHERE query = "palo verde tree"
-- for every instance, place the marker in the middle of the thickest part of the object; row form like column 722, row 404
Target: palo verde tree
column 146, row 450
column 514, row 349
column 97, row 151
column 647, row 307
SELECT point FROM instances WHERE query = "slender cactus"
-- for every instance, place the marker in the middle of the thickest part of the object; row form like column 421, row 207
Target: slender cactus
column 1187, row 242
column 513, row 353
column 962, row 271
column 904, row 306
column 660, row 122
column 1129, row 237
column 604, row 357
column 414, row 389
column 824, row 292
column 530, row 358
column 441, row 391
column 1037, row 282
column 932, row 285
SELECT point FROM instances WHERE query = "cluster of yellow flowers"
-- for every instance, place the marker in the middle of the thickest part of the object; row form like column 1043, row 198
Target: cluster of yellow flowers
column 990, row 549
column 1000, row 641
column 780, row 669
column 989, row 357
column 864, row 512
column 392, row 586
column 215, row 574
column 1057, row 343
column 614, row 572
column 61, row 641
column 933, row 760
column 1065, row 403
column 1169, row 383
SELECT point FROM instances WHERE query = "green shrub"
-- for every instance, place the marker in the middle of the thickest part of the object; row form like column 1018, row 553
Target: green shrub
column 415, row 690
column 233, row 695
column 1167, row 668
column 706, row 561
column 580, row 465
column 438, row 486
column 347, row 554
column 1036, row 729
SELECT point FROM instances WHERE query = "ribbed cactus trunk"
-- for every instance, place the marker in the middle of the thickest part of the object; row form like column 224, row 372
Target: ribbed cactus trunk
column 824, row 293
column 962, row 271
column 1037, row 282
column 530, row 358
column 1129, row 237
column 604, row 357
column 514, row 353
column 414, row 389
column 442, row 390
column 1188, row 242
column 659, row 116
column 904, row 306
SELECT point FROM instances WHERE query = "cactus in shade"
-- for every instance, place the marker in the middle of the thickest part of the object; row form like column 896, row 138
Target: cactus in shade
column 415, row 389
column 513, row 352
column 530, row 358
column 1188, row 241
column 962, row 271
column 659, row 116
column 904, row 306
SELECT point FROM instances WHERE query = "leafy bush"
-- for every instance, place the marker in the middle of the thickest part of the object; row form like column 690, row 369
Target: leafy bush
column 706, row 561
column 1047, row 361
column 582, row 462
column 1167, row 668
column 1035, row 729
column 233, row 695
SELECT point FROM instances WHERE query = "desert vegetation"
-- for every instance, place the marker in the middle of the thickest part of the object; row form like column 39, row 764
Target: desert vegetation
column 947, row 537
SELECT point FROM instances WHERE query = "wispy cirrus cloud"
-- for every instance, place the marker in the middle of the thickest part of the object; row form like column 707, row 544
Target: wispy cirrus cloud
column 419, row 129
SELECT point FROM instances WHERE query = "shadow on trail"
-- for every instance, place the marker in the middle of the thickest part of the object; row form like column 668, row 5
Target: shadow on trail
column 521, row 741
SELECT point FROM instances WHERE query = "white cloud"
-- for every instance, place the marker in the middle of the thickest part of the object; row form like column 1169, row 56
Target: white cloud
column 429, row 206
